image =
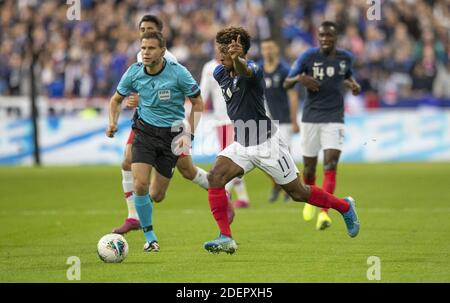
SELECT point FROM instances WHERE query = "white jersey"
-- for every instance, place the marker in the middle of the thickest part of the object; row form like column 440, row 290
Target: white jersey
column 168, row 55
column 210, row 88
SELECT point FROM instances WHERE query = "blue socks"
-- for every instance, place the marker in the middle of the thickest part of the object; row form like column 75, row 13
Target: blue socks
column 144, row 209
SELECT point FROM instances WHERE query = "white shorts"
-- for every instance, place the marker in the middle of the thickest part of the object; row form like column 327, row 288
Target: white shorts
column 286, row 133
column 272, row 156
column 317, row 136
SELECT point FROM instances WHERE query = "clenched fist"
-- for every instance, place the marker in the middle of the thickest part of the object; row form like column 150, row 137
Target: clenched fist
column 111, row 130
column 133, row 101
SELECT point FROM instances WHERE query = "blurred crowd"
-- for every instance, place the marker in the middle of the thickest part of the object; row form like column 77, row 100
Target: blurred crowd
column 405, row 54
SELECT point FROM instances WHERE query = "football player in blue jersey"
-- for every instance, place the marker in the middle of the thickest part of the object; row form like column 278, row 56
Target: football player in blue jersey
column 325, row 72
column 282, row 104
column 257, row 142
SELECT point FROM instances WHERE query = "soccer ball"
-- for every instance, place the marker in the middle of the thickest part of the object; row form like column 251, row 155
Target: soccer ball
column 112, row 248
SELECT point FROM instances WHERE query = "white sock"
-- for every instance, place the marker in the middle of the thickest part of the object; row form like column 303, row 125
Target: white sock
column 132, row 213
column 229, row 186
column 128, row 187
column 240, row 188
column 201, row 178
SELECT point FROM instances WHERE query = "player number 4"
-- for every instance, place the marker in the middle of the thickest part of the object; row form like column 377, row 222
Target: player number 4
column 318, row 72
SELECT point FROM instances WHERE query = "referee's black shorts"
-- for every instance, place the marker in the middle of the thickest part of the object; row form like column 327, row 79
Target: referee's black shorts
column 153, row 145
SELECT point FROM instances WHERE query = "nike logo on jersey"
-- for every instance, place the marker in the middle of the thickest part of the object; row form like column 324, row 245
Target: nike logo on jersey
column 318, row 63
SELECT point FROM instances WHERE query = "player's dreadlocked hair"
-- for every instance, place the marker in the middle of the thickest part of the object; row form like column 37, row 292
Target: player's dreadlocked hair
column 225, row 36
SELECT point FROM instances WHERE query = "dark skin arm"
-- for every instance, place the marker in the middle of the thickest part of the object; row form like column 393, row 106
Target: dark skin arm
column 293, row 106
column 309, row 82
column 353, row 86
column 240, row 64
column 314, row 85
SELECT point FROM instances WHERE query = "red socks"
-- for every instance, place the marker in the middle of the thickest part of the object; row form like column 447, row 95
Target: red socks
column 218, row 202
column 329, row 183
column 321, row 198
column 309, row 181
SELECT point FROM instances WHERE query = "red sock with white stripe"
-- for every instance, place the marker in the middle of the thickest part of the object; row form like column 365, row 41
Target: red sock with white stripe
column 128, row 187
column 218, row 202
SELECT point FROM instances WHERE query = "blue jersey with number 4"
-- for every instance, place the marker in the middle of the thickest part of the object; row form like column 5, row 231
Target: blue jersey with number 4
column 327, row 104
column 162, row 95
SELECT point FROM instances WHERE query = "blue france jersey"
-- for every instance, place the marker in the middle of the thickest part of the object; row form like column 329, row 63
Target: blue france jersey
column 326, row 105
column 276, row 95
column 244, row 98
column 162, row 95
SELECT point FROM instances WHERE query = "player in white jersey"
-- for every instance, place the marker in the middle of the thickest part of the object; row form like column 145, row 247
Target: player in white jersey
column 224, row 127
column 185, row 165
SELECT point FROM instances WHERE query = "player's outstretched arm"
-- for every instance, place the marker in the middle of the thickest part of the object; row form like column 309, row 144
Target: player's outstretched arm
column 114, row 112
column 241, row 68
column 239, row 63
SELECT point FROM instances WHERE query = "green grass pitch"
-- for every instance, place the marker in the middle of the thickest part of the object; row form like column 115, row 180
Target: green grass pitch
column 50, row 214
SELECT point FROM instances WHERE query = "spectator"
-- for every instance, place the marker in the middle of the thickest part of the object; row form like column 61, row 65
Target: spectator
column 441, row 85
column 424, row 71
column 407, row 51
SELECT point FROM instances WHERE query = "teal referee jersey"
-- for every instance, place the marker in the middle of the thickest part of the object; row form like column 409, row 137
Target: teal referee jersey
column 162, row 95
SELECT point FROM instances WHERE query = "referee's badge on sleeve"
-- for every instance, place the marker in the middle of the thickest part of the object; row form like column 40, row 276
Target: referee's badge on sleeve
column 164, row 95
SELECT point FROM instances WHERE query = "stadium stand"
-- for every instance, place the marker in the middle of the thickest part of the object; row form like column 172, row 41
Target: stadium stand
column 401, row 60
